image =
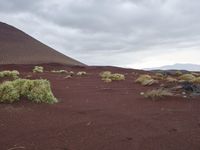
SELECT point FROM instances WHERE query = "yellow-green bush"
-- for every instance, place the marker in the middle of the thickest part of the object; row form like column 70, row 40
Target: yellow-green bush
column 157, row 93
column 8, row 92
column 146, row 80
column 117, row 77
column 13, row 74
column 178, row 73
column 158, row 76
column 187, row 77
column 107, row 76
column 38, row 69
column 196, row 80
column 35, row 90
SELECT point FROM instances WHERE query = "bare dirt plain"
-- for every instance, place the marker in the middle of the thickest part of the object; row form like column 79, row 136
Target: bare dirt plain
column 93, row 115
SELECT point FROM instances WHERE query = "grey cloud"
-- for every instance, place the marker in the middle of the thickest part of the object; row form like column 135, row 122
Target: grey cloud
column 99, row 27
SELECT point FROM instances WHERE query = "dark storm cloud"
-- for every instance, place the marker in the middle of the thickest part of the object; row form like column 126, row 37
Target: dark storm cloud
column 95, row 28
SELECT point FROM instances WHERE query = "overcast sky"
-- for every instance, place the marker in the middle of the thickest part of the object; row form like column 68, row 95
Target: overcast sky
column 128, row 33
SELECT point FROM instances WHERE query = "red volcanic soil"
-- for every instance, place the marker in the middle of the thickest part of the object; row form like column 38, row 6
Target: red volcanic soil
column 93, row 115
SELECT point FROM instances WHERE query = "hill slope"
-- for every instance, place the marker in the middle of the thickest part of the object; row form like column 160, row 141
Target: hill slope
column 16, row 47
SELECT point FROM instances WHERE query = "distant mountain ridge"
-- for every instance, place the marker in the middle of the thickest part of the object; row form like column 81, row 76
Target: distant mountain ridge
column 17, row 47
column 178, row 66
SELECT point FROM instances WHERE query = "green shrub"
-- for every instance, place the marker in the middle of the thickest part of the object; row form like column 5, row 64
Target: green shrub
column 187, row 77
column 145, row 80
column 8, row 92
column 158, row 93
column 81, row 73
column 14, row 74
column 117, row 77
column 107, row 76
column 38, row 69
column 35, row 90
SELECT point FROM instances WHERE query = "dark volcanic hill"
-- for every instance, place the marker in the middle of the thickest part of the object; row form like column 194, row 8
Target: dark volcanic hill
column 16, row 47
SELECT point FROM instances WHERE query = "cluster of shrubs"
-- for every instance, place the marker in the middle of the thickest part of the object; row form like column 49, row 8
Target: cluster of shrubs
column 146, row 80
column 178, row 77
column 189, row 78
column 38, row 91
column 107, row 76
column 38, row 69
column 13, row 74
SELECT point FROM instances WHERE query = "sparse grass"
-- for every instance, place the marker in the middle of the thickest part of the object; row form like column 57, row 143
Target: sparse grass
column 38, row 69
column 146, row 80
column 157, row 93
column 13, row 74
column 81, row 73
column 108, row 77
column 38, row 91
column 187, row 77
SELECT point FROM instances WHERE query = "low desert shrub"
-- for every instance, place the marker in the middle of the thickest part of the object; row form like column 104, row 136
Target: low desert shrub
column 157, row 93
column 171, row 79
column 178, row 73
column 35, row 90
column 196, row 80
column 38, row 69
column 59, row 71
column 187, row 77
column 81, row 73
column 107, row 80
column 117, row 77
column 8, row 92
column 158, row 76
column 107, row 76
column 145, row 80
column 13, row 74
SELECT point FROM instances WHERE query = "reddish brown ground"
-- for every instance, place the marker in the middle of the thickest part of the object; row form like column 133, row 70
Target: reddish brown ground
column 93, row 115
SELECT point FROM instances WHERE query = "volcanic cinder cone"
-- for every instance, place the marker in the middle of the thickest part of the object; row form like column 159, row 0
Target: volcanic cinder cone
column 16, row 47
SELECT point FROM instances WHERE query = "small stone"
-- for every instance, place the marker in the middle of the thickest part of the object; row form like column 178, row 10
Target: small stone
column 141, row 93
column 183, row 93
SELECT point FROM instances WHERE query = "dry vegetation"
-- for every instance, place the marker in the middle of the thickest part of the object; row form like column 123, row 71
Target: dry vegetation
column 157, row 93
column 81, row 73
column 108, row 77
column 13, row 74
column 146, row 80
column 38, row 69
column 59, row 71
